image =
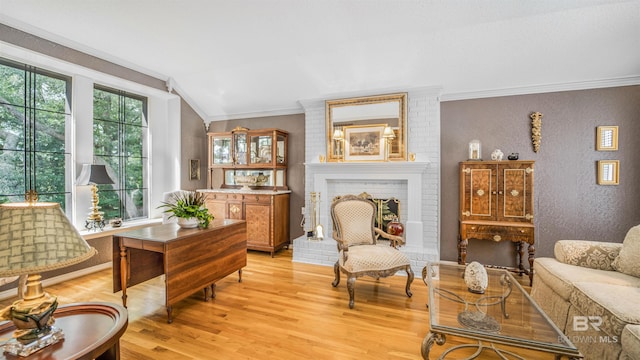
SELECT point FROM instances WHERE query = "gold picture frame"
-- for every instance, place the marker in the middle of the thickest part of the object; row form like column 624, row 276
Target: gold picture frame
column 364, row 143
column 608, row 172
column 194, row 169
column 607, row 138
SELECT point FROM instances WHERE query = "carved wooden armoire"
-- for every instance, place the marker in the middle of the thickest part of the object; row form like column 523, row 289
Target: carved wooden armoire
column 496, row 203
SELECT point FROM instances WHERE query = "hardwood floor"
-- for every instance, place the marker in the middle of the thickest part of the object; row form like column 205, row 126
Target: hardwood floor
column 280, row 310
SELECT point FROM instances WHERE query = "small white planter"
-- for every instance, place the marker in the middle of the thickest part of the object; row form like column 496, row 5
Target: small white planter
column 188, row 223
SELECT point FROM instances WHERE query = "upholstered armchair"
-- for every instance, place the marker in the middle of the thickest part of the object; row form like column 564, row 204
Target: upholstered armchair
column 359, row 252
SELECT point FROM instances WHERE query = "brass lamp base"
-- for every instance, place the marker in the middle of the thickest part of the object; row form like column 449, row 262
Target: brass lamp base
column 33, row 319
column 95, row 221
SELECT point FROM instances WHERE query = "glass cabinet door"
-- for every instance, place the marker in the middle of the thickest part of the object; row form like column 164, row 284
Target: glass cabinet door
column 281, row 149
column 221, row 150
column 240, row 149
column 261, row 147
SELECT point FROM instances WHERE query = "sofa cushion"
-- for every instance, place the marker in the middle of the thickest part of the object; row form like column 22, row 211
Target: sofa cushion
column 627, row 261
column 631, row 342
column 616, row 305
column 560, row 276
column 591, row 254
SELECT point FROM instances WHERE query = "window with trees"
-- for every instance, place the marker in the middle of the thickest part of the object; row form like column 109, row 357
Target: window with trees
column 34, row 133
column 120, row 142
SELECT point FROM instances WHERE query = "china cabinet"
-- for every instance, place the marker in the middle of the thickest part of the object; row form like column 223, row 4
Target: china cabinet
column 496, row 203
column 254, row 158
column 252, row 167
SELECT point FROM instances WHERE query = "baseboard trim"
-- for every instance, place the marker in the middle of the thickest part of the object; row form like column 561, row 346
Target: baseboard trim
column 10, row 293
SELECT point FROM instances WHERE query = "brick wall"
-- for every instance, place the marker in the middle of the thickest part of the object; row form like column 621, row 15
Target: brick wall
column 423, row 139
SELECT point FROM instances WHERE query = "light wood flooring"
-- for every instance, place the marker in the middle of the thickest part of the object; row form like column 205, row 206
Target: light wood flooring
column 281, row 310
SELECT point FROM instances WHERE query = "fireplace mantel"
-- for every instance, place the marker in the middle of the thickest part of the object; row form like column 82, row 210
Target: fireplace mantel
column 409, row 172
column 407, row 167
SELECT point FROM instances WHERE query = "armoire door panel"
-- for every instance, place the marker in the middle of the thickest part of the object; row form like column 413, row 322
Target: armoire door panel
column 515, row 194
column 480, row 192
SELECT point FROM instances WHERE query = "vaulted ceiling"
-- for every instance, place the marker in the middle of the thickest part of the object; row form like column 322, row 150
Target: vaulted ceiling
column 239, row 58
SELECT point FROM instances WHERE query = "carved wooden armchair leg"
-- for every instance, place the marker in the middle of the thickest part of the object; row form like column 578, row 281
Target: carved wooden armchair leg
column 336, row 270
column 410, row 277
column 351, row 283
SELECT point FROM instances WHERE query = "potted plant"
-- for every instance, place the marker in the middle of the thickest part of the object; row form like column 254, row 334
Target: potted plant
column 189, row 208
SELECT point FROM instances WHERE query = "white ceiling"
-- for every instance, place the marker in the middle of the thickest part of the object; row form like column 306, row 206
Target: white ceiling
column 238, row 58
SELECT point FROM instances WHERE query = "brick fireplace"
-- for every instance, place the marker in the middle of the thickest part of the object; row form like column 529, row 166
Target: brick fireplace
column 416, row 184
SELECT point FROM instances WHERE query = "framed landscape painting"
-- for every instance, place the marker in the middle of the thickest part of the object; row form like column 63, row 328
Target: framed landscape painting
column 364, row 143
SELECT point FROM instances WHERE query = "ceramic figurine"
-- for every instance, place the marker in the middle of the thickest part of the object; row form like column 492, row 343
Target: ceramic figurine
column 497, row 155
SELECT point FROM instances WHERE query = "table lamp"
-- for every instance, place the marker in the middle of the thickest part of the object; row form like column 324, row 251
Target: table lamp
column 94, row 175
column 36, row 237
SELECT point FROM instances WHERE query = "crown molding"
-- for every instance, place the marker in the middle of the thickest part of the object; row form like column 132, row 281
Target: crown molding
column 267, row 113
column 539, row 89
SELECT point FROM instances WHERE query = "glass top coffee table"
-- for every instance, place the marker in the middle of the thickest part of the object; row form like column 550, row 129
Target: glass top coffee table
column 504, row 314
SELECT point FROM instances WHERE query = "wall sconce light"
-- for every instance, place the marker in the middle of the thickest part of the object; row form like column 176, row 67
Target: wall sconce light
column 94, row 175
column 338, row 136
column 388, row 136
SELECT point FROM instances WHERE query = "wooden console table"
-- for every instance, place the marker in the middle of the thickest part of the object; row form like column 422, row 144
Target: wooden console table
column 91, row 331
column 190, row 259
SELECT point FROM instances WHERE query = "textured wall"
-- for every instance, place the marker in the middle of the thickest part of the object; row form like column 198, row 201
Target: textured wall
column 193, row 144
column 568, row 204
column 295, row 126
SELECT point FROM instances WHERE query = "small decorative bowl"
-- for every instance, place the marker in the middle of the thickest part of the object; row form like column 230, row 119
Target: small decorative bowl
column 250, row 180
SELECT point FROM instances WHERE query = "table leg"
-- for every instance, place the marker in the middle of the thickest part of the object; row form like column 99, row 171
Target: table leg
column 112, row 353
column 462, row 251
column 520, row 247
column 532, row 255
column 169, row 317
column 428, row 341
column 123, row 273
column 240, row 275
column 213, row 291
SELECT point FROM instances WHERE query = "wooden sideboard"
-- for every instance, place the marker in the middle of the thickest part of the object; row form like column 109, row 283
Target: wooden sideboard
column 496, row 203
column 266, row 213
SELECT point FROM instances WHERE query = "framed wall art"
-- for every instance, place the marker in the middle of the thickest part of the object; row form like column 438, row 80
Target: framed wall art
column 364, row 143
column 608, row 172
column 194, row 169
column 607, row 138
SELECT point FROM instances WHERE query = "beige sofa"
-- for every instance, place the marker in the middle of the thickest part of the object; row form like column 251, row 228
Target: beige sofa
column 591, row 290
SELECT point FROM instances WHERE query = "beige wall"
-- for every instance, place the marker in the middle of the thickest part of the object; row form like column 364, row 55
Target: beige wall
column 568, row 202
column 193, row 137
column 295, row 126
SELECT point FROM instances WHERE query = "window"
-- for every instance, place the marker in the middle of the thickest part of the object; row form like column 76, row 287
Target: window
column 34, row 123
column 120, row 143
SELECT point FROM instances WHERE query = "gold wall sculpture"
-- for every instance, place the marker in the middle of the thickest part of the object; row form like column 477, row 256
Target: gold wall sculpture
column 536, row 130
